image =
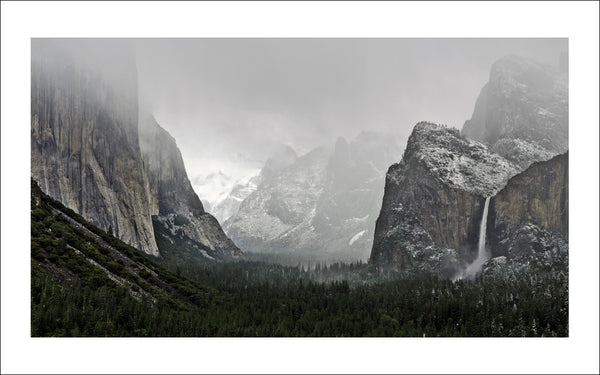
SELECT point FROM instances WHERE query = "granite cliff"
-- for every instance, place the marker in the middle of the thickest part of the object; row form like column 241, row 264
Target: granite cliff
column 94, row 152
column 538, row 197
column 84, row 136
column 522, row 112
column 433, row 201
column 433, row 204
column 173, row 203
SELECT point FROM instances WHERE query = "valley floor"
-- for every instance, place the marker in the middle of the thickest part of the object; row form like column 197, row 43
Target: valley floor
column 254, row 299
column 84, row 282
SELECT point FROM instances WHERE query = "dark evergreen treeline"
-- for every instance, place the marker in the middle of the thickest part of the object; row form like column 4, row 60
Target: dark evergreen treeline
column 70, row 296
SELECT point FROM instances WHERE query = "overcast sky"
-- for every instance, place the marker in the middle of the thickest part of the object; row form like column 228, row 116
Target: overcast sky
column 230, row 102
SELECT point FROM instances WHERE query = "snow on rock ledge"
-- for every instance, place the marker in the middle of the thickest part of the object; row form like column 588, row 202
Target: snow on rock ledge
column 457, row 161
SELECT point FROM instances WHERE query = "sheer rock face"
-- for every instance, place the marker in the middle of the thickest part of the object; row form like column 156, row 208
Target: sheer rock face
column 538, row 196
column 84, row 137
column 90, row 150
column 171, row 194
column 169, row 187
column 433, row 199
column 522, row 112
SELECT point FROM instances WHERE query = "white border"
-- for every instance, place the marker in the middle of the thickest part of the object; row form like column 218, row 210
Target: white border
column 578, row 21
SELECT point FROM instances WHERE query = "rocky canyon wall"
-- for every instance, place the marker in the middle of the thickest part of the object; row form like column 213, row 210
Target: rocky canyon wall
column 538, row 196
column 433, row 199
column 92, row 150
column 84, row 135
column 171, row 194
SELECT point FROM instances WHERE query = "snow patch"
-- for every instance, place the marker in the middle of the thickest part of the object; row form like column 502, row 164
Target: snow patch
column 458, row 161
column 356, row 237
column 203, row 252
column 358, row 219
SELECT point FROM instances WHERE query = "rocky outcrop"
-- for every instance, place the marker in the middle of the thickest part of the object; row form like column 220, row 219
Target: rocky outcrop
column 522, row 112
column 433, row 200
column 174, row 204
column 538, row 197
column 84, row 136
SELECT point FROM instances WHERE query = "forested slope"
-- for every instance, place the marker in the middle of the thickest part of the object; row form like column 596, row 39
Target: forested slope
column 85, row 282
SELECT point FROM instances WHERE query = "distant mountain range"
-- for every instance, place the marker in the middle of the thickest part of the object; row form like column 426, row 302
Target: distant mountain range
column 320, row 206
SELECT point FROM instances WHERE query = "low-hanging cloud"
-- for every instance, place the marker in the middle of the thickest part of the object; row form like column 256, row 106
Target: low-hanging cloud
column 230, row 103
column 223, row 96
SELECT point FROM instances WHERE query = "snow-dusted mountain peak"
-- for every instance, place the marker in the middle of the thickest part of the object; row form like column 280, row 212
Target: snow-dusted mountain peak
column 455, row 160
column 320, row 207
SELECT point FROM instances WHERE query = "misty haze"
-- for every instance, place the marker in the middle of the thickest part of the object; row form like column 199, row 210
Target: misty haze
column 299, row 187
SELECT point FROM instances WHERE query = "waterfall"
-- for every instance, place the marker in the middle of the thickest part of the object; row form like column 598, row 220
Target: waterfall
column 482, row 253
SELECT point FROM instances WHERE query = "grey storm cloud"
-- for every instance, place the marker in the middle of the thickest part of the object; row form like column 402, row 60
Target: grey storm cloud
column 231, row 103
column 219, row 97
